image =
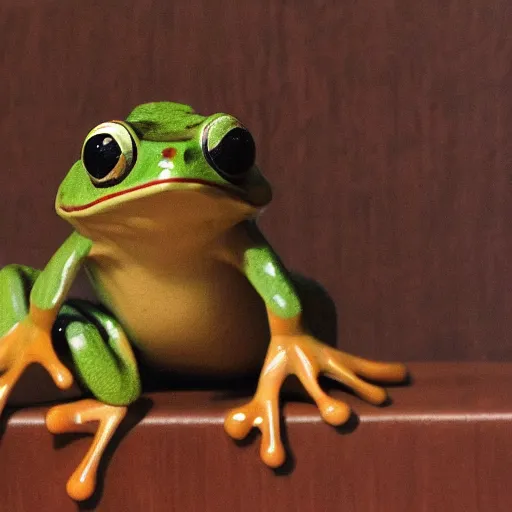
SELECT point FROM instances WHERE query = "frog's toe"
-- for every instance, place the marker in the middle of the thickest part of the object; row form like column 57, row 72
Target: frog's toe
column 76, row 417
column 263, row 411
column 348, row 369
column 263, row 414
column 373, row 370
column 7, row 382
column 309, row 358
column 239, row 423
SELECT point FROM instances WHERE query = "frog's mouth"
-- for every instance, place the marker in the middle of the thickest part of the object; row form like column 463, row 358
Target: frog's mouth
column 136, row 191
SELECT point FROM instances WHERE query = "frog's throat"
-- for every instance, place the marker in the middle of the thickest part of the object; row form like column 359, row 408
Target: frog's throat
column 137, row 191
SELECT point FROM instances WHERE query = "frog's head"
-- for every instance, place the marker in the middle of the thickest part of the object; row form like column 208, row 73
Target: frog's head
column 165, row 157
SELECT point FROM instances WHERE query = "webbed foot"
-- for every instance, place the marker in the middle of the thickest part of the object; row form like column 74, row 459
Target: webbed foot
column 28, row 342
column 76, row 417
column 307, row 358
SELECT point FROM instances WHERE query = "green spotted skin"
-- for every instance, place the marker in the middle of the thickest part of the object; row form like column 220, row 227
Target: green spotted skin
column 14, row 280
column 53, row 283
column 102, row 357
column 111, row 223
column 101, row 353
column 269, row 276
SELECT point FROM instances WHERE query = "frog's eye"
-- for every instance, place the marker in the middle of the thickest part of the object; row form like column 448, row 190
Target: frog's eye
column 229, row 147
column 109, row 153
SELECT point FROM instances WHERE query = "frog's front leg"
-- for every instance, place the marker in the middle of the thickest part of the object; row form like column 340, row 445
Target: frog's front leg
column 30, row 301
column 107, row 367
column 294, row 351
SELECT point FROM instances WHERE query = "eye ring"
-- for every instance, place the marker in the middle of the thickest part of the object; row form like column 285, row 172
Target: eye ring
column 228, row 147
column 109, row 153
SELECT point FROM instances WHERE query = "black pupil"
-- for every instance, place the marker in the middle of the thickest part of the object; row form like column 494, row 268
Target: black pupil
column 101, row 154
column 235, row 154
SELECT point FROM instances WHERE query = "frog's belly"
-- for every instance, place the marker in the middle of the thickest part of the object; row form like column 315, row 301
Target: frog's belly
column 208, row 322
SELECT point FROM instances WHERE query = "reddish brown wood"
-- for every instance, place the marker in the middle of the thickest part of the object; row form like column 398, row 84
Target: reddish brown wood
column 445, row 445
column 386, row 128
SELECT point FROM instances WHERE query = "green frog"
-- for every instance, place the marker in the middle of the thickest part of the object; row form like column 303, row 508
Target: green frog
column 164, row 207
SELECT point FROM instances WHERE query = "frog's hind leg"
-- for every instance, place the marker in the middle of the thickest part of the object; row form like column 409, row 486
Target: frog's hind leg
column 107, row 367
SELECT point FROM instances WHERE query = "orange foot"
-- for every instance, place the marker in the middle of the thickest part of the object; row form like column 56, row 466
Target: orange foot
column 306, row 357
column 28, row 342
column 74, row 417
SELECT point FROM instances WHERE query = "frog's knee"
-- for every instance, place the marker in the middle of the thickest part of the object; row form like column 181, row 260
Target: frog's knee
column 104, row 371
column 14, row 273
column 15, row 284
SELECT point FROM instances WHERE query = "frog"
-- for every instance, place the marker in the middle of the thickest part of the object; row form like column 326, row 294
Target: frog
column 164, row 208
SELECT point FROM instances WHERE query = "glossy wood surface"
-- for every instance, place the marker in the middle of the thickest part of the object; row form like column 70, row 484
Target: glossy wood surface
column 386, row 128
column 444, row 445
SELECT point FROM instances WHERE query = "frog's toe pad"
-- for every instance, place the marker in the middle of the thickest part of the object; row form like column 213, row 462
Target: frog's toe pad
column 334, row 411
column 237, row 424
column 263, row 415
column 79, row 490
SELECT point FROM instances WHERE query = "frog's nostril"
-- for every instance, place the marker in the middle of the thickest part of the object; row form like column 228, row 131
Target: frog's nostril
column 169, row 152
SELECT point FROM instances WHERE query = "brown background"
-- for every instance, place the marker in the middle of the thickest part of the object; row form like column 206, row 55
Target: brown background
column 385, row 127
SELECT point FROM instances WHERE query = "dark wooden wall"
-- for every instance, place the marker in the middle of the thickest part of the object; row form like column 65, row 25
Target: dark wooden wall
column 385, row 127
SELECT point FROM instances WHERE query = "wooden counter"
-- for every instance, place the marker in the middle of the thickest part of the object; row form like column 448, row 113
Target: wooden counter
column 444, row 445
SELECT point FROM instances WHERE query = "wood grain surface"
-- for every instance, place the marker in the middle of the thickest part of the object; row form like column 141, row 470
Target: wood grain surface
column 385, row 127
column 444, row 446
